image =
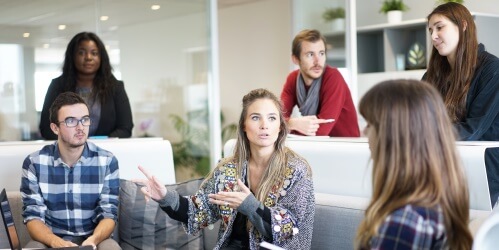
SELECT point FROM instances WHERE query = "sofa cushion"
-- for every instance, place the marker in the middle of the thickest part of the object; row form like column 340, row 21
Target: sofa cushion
column 336, row 220
column 143, row 225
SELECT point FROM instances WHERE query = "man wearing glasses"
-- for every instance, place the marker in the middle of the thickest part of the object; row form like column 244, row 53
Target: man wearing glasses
column 70, row 188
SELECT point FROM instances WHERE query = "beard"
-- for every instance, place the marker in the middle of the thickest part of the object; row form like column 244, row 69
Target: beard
column 73, row 142
column 309, row 73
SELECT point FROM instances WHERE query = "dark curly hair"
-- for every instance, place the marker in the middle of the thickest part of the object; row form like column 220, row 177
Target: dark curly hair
column 104, row 80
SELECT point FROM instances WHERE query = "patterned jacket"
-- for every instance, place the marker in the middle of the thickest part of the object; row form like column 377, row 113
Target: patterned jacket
column 291, row 202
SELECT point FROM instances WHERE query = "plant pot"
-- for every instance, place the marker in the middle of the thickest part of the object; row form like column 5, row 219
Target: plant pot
column 394, row 16
column 338, row 24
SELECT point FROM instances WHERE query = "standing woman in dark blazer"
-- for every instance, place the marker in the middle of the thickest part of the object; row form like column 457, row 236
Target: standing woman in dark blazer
column 88, row 72
column 467, row 77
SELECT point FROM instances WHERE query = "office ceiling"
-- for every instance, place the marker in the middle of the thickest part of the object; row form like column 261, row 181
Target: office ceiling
column 41, row 18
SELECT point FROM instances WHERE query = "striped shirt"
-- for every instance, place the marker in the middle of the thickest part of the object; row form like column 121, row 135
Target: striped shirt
column 412, row 227
column 70, row 200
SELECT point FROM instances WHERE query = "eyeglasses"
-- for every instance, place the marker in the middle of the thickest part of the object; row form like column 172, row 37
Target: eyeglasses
column 72, row 122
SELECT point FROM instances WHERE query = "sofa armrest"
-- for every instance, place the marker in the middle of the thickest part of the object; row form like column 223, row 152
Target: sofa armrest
column 477, row 218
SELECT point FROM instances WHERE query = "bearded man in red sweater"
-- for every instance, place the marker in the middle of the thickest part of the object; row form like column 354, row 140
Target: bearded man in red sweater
column 319, row 91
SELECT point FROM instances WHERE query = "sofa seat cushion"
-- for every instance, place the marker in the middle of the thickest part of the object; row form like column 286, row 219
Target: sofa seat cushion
column 336, row 220
column 143, row 225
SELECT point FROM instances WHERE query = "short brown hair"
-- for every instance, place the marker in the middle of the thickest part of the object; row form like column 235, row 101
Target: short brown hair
column 64, row 99
column 306, row 35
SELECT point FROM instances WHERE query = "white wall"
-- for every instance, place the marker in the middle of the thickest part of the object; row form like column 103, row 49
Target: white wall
column 255, row 51
column 308, row 14
column 368, row 10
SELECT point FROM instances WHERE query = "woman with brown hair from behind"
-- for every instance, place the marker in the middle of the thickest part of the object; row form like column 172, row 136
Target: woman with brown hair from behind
column 420, row 194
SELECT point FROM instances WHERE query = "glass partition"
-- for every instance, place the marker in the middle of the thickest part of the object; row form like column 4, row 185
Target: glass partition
column 161, row 50
column 335, row 19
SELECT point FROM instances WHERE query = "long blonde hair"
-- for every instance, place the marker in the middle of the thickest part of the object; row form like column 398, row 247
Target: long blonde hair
column 414, row 158
column 242, row 153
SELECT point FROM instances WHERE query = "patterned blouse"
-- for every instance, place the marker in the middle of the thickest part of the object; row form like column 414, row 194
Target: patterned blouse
column 291, row 203
column 412, row 227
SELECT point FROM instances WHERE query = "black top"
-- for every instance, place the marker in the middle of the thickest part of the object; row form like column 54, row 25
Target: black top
column 239, row 229
column 482, row 114
column 115, row 116
column 482, row 101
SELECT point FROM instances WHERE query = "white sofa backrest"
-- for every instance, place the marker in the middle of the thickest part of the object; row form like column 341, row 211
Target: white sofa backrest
column 341, row 166
column 155, row 154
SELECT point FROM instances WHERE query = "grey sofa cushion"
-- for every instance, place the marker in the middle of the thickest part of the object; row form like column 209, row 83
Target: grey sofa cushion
column 143, row 225
column 336, row 221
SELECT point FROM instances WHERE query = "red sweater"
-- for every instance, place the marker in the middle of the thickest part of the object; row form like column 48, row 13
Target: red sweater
column 335, row 103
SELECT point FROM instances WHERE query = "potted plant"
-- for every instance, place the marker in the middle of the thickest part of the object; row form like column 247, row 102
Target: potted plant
column 336, row 16
column 193, row 149
column 393, row 9
column 447, row 1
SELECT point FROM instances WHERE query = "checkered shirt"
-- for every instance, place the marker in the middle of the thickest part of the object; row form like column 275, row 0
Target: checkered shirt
column 70, row 200
column 412, row 227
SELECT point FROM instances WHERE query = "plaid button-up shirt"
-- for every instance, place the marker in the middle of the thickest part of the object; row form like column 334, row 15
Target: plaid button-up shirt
column 412, row 227
column 70, row 200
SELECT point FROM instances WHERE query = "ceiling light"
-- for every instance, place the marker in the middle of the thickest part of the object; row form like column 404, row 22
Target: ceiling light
column 104, row 18
column 62, row 27
column 155, row 7
column 46, row 45
column 26, row 35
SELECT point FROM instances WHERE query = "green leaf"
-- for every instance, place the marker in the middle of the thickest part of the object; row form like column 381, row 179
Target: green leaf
column 416, row 56
column 389, row 5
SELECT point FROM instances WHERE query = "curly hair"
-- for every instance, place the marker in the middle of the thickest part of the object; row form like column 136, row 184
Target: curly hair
column 104, row 80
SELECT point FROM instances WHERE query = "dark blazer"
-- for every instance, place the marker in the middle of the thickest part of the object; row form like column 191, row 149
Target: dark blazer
column 115, row 116
column 482, row 114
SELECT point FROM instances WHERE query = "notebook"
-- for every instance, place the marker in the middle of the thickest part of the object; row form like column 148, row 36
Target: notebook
column 11, row 230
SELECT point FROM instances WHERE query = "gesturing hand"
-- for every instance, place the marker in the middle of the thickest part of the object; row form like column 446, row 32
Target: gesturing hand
column 307, row 125
column 231, row 199
column 151, row 187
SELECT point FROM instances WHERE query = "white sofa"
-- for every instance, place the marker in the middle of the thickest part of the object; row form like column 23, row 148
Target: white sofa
column 336, row 220
column 342, row 180
column 153, row 153
column 341, row 166
column 338, row 211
